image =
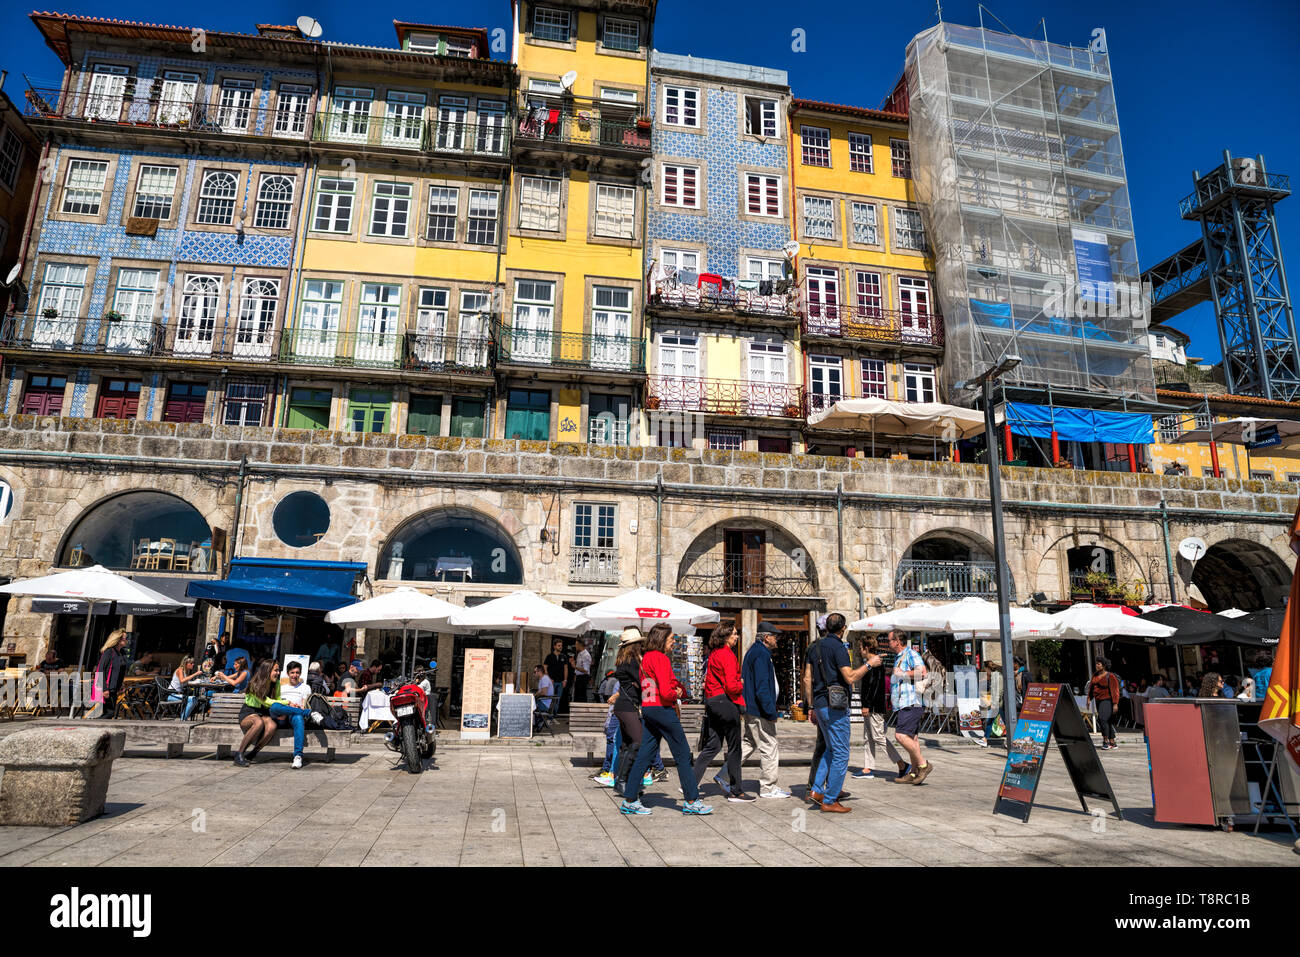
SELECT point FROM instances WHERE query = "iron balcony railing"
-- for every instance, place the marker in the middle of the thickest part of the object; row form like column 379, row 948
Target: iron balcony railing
column 572, row 122
column 753, row 574
column 593, row 565
column 149, row 110
column 432, row 352
column 725, row 396
column 572, row 350
column 923, row 579
column 1243, row 173
column 709, row 297
column 486, row 137
column 870, row 324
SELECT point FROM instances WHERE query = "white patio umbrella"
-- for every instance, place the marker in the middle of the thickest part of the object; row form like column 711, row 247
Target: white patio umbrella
column 1092, row 621
column 643, row 607
column 885, row 620
column 95, row 585
column 519, row 612
column 977, row 616
column 402, row 606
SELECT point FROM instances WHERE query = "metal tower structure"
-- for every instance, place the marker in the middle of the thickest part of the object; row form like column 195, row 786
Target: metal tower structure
column 1237, row 264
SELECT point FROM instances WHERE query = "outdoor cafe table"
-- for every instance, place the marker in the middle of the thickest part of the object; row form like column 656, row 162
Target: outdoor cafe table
column 197, row 688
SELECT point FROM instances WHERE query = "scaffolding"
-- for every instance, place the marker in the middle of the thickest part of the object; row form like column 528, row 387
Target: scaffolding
column 1019, row 173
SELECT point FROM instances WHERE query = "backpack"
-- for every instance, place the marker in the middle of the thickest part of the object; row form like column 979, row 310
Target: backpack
column 336, row 717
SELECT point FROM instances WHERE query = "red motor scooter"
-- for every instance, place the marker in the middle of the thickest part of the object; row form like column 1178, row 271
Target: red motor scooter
column 414, row 705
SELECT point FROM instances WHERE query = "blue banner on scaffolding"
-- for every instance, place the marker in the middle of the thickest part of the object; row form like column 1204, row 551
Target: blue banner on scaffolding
column 1092, row 261
column 1079, row 425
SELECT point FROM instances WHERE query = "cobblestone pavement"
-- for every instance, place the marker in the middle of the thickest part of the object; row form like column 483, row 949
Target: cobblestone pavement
column 536, row 806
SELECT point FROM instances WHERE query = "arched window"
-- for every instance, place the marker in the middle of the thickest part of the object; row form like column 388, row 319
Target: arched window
column 142, row 529
column 217, row 198
column 274, row 202
column 451, row 545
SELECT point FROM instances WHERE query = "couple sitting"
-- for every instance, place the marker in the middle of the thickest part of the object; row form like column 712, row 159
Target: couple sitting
column 269, row 705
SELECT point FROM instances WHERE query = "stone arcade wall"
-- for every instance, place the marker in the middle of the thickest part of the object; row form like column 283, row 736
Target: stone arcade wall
column 60, row 467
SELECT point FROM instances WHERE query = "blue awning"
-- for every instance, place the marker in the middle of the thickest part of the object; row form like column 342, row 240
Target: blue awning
column 284, row 583
column 1079, row 425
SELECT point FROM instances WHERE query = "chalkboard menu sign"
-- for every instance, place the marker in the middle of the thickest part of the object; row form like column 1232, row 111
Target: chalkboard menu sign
column 515, row 715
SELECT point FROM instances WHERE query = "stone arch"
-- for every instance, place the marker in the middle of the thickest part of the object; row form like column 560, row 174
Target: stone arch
column 1240, row 573
column 747, row 555
column 413, row 549
column 108, row 531
column 1051, row 574
column 948, row 563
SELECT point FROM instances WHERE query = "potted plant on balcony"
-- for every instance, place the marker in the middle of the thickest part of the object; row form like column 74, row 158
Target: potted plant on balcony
column 643, row 124
column 49, row 312
column 652, row 402
column 113, row 315
column 1063, row 464
column 791, row 411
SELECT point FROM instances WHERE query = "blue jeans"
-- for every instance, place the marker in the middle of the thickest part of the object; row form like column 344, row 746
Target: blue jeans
column 613, row 741
column 658, row 724
column 297, row 717
column 834, row 764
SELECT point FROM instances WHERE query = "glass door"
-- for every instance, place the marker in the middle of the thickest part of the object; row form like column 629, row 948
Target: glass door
column 198, row 320
column 176, row 102
column 257, row 309
column 377, row 323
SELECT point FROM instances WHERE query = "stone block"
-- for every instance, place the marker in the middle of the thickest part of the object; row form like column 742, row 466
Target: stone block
column 1206, row 500
column 155, row 428
column 85, row 442
column 708, row 475
column 401, row 459
column 120, row 445
column 256, row 451
column 539, row 465
column 744, row 477
column 498, row 446
column 154, row 447
column 325, row 455
column 282, row 454
column 56, row 777
column 380, row 440
column 583, row 468
column 476, row 462
column 227, row 433
column 363, row 458
column 193, row 430
column 803, row 478
column 532, row 446
column 498, row 464
column 676, row 473
column 412, row 442
column 773, row 478
column 205, row 449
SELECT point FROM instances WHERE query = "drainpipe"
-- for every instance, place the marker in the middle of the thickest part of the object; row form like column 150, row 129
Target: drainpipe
column 659, row 531
column 1169, row 558
column 239, row 509
column 839, row 537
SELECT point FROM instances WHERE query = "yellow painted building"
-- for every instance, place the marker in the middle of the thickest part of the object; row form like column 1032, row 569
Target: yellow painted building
column 1235, row 460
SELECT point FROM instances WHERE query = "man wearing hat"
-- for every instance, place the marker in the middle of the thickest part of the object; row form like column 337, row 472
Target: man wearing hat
column 759, row 677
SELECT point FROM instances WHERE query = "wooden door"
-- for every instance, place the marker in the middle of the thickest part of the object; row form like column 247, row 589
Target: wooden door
column 755, row 547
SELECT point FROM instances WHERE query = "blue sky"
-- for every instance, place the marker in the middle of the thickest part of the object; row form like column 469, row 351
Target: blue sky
column 1192, row 78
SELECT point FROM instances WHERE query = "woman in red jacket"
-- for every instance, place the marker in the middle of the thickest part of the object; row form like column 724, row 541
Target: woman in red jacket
column 660, row 690
column 724, row 703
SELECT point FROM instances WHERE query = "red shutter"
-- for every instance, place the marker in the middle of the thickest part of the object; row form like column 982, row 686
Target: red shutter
column 670, row 185
column 688, row 186
column 42, row 402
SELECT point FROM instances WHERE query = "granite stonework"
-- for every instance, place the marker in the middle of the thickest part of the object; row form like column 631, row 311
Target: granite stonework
column 56, row 777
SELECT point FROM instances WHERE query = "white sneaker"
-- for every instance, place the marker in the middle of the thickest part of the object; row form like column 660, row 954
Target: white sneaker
column 297, row 761
column 317, row 718
column 775, row 793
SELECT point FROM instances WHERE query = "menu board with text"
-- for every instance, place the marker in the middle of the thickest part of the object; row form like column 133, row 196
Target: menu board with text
column 476, row 695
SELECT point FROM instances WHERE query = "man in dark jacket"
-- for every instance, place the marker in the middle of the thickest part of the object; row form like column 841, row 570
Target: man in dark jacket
column 759, row 678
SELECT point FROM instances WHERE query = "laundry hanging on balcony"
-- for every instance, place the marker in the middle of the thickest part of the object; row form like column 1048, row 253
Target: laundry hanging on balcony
column 1079, row 425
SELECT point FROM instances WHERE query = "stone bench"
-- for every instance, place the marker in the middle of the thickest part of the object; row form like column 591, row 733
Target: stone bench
column 587, row 726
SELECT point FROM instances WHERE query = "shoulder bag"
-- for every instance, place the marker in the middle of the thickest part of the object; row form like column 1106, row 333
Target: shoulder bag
column 837, row 696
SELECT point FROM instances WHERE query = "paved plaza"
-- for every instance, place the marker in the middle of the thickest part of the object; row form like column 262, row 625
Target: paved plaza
column 535, row 805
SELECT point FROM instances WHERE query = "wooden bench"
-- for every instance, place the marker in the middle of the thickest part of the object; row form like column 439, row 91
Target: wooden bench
column 587, row 726
column 222, row 727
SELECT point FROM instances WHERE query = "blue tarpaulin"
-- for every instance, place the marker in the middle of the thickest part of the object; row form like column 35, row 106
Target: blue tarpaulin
column 285, row 583
column 999, row 314
column 1079, row 425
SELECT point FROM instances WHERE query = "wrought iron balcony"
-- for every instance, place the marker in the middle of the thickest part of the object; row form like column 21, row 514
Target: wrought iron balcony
column 120, row 336
column 488, row 138
column 142, row 110
column 708, row 297
column 569, row 350
column 725, row 396
column 921, row 579
column 431, row 352
column 868, row 324
column 774, row 576
column 572, row 121
column 593, row 565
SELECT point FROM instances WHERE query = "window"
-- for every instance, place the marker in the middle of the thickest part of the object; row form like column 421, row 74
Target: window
column 134, row 301
column 869, row 300
column 235, row 106
column 679, row 259
column 551, row 24
column 186, row 402
column 1293, row 476
column 767, row 361
column 350, row 113
column 918, row 382
column 681, row 106
column 403, row 118
column 63, row 290
column 108, row 88
column 153, row 192
column 1169, row 427
column 424, row 415
column 726, row 440
column 334, row 205
column 873, row 379
column 318, row 324
column 607, row 419
column 1207, row 472
column 679, row 356
column 539, row 203
column 760, row 116
column 368, row 410
column 491, row 134
column 291, row 105
column 622, row 34
column 900, row 158
column 914, row 303
column 534, row 322
column 431, row 327
column 824, row 298
column 679, row 186
column 11, row 154
column 864, row 223
column 467, row 417
column 618, row 96
column 274, row 202
column 443, row 203
column 309, row 409
column 528, row 415
column 83, row 187
column 909, row 230
column 860, row 153
column 1160, row 341
column 816, row 143
column 472, row 343
column 483, row 212
column 44, row 395
column 244, row 403
column 176, row 103
column 593, row 525
column 1261, row 475
column 615, row 211
column 611, row 327
column 825, row 381
column 462, row 49
column 764, row 268
column 390, row 208
column 818, row 217
column 217, row 198
column 200, row 302
column 378, row 317
column 544, row 88
column 258, row 303
column 762, row 194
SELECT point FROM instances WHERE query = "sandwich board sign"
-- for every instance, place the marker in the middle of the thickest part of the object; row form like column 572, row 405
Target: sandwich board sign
column 1050, row 711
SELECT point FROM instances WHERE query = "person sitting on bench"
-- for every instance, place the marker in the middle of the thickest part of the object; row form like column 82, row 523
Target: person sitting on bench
column 263, row 711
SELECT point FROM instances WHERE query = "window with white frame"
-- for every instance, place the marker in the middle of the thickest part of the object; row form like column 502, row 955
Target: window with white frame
column 627, row 97
column 860, row 153
column 873, row 379
column 136, row 292
column 334, row 199
column 918, row 382
column 443, row 204
column 403, row 118
column 431, row 324
column 109, row 85
column 1169, row 427
column 11, row 154
column 274, row 201
column 679, row 355
column 760, row 116
column 63, row 289
column 611, row 327
column 762, row 194
column 235, row 107
column 551, row 24
column 176, row 100
column 761, row 269
column 350, row 113
column 245, row 403
column 1293, row 476
column 543, row 88
column 622, row 34
column 680, row 186
column 390, row 209
column 200, row 306
column 816, row 143
column 463, row 49
column 318, row 326
column 534, row 320
column 1261, row 475
column 825, row 380
column 83, row 187
column 472, row 327
column 490, row 136
column 681, row 106
column 453, row 112
column 900, row 158
column 909, row 229
column 680, row 259
column 258, row 304
column 291, row 103
column 615, row 211
column 726, row 440
column 378, row 316
column 217, row 196
column 818, row 217
column 154, row 188
column 539, row 203
column 823, row 298
column 767, row 361
column 593, row 525
column 483, row 212
column 869, row 302
column 864, row 223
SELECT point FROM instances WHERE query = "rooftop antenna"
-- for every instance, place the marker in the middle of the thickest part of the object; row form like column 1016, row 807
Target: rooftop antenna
column 309, row 27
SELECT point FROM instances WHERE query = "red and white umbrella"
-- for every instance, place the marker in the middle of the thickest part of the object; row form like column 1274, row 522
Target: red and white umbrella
column 644, row 607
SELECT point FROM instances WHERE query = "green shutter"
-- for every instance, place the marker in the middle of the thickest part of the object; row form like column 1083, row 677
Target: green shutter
column 309, row 409
column 467, row 418
column 425, row 416
column 368, row 410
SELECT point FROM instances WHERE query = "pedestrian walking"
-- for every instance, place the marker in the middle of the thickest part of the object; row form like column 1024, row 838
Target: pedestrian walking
column 724, row 703
column 909, row 669
column 1104, row 691
column 110, row 670
column 873, row 711
column 758, row 675
column 993, row 679
column 582, row 670
column 627, row 711
column 827, row 680
column 660, row 692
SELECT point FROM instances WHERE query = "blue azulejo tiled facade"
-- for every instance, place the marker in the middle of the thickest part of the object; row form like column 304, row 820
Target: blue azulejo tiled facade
column 724, row 153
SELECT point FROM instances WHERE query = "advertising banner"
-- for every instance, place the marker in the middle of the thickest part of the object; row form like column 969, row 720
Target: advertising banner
column 1092, row 258
column 970, row 718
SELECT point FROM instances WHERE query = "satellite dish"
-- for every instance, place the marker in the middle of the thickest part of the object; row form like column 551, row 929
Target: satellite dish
column 569, row 79
column 1192, row 549
column 14, row 273
column 791, row 249
column 309, row 27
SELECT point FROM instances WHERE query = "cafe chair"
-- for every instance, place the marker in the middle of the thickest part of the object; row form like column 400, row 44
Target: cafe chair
column 164, row 549
column 544, row 715
column 140, row 556
column 181, row 560
column 165, row 708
